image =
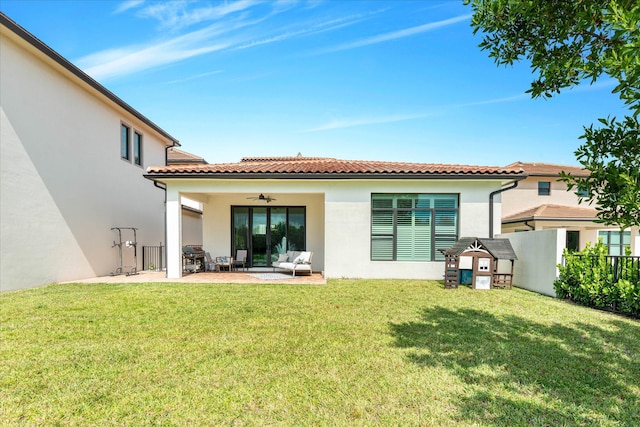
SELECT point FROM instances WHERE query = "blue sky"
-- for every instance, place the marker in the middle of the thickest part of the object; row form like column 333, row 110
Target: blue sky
column 372, row 80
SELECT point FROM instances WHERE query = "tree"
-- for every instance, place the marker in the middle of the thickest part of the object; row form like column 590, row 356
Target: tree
column 567, row 43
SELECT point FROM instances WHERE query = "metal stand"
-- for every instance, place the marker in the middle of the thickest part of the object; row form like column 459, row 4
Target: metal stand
column 133, row 269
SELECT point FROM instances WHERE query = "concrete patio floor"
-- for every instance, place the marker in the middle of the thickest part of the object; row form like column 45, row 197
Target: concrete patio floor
column 209, row 277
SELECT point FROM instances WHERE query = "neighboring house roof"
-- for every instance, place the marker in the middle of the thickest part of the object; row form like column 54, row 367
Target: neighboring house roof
column 55, row 56
column 548, row 169
column 498, row 248
column 553, row 212
column 325, row 167
column 179, row 157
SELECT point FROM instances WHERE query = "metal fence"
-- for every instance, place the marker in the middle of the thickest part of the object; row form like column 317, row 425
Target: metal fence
column 153, row 258
column 622, row 267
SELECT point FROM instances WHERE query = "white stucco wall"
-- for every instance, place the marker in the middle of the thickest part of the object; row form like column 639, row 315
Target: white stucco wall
column 63, row 182
column 191, row 227
column 338, row 217
column 525, row 195
column 539, row 253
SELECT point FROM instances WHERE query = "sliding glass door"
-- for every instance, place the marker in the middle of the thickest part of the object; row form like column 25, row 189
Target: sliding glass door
column 258, row 236
column 266, row 232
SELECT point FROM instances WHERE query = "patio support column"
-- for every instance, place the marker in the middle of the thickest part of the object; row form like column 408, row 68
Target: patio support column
column 174, row 235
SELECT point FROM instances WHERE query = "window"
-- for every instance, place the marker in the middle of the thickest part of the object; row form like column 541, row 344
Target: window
column 573, row 240
column 137, row 148
column 412, row 227
column 125, row 152
column 544, row 188
column 582, row 193
column 616, row 241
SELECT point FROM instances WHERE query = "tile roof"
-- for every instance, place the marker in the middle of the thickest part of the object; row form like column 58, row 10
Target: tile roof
column 320, row 167
column 548, row 211
column 548, row 169
column 175, row 156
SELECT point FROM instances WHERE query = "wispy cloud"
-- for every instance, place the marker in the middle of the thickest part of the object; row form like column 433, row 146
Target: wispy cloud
column 599, row 85
column 407, row 32
column 228, row 30
column 513, row 98
column 116, row 62
column 391, row 118
column 366, row 121
column 126, row 5
column 310, row 29
column 178, row 14
column 196, row 77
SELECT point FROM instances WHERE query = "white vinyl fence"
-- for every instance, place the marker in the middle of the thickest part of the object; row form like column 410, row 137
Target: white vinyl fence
column 539, row 253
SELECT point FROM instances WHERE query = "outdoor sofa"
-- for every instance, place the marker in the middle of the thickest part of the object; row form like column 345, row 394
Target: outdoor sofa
column 294, row 261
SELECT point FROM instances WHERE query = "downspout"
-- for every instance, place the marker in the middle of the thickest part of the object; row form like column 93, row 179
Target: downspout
column 513, row 185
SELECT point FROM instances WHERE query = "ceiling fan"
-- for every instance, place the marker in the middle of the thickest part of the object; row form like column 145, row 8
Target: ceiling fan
column 262, row 197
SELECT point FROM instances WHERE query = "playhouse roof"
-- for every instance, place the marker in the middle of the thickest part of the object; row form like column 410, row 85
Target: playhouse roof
column 498, row 248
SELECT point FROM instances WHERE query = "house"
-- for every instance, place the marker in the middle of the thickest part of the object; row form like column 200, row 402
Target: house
column 367, row 219
column 73, row 156
column 176, row 156
column 541, row 201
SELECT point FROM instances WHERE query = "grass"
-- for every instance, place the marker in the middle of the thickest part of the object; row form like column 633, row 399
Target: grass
column 352, row 352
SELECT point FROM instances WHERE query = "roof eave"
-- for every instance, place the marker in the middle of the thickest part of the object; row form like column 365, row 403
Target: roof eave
column 561, row 219
column 267, row 175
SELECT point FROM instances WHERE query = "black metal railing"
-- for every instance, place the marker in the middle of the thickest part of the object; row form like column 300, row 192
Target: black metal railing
column 153, row 257
column 623, row 267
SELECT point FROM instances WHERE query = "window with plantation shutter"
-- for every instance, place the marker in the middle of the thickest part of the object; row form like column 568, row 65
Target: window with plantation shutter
column 412, row 227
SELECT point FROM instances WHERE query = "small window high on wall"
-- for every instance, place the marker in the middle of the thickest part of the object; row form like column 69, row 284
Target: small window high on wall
column 544, row 188
column 125, row 142
column 137, row 148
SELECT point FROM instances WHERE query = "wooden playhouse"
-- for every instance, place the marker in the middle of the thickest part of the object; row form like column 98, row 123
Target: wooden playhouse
column 480, row 263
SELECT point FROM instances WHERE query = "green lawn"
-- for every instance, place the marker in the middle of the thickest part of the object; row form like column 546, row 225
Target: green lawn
column 352, row 352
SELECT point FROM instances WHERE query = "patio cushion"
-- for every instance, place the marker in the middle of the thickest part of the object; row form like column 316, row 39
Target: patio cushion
column 303, row 258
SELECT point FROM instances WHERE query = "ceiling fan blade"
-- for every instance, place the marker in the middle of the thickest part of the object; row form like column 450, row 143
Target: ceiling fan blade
column 267, row 199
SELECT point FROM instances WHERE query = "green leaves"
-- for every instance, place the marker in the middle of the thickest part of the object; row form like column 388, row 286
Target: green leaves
column 568, row 43
column 589, row 278
column 612, row 154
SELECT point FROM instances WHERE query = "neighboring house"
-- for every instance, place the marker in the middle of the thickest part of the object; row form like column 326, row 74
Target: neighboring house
column 542, row 201
column 72, row 161
column 360, row 218
column 176, row 156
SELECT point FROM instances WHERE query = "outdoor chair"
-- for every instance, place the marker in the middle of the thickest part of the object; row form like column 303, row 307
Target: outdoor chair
column 241, row 259
column 224, row 263
column 209, row 263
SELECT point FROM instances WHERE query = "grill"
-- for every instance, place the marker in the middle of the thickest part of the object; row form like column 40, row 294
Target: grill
column 193, row 259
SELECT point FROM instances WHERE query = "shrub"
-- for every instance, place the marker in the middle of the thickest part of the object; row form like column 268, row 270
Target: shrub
column 589, row 278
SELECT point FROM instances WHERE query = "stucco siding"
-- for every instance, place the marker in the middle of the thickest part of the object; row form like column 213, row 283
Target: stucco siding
column 65, row 141
column 525, row 195
column 338, row 217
